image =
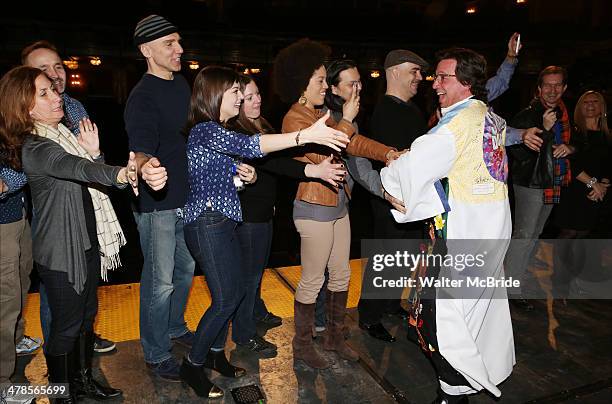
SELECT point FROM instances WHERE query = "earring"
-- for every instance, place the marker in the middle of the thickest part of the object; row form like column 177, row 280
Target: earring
column 302, row 100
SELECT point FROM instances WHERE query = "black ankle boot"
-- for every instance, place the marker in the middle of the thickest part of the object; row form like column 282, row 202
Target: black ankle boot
column 216, row 360
column 61, row 370
column 195, row 377
column 85, row 385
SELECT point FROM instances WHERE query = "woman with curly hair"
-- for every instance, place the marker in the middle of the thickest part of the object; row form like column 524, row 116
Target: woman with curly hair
column 257, row 201
column 320, row 210
column 213, row 211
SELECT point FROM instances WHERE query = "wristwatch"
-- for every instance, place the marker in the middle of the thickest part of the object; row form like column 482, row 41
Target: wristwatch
column 591, row 182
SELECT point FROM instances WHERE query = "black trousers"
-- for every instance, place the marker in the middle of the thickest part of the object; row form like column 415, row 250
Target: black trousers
column 385, row 227
column 70, row 312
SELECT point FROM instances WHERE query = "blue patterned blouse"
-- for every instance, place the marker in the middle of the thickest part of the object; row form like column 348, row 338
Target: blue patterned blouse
column 11, row 201
column 211, row 150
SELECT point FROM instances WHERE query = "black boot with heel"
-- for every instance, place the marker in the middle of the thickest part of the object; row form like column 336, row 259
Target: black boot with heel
column 84, row 384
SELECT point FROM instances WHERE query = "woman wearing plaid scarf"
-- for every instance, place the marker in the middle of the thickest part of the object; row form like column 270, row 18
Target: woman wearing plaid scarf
column 75, row 232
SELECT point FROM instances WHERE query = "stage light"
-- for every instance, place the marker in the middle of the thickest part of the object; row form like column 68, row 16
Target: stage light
column 430, row 78
column 471, row 9
column 95, row 61
column 521, row 1
column 194, row 65
column 251, row 70
column 375, row 74
column 75, row 80
column 71, row 63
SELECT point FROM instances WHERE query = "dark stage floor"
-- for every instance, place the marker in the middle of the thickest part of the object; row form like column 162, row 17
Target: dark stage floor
column 562, row 359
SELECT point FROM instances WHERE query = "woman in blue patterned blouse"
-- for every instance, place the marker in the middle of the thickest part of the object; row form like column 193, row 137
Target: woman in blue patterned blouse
column 213, row 209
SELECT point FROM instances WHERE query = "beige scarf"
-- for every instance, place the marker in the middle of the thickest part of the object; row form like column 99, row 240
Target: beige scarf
column 110, row 235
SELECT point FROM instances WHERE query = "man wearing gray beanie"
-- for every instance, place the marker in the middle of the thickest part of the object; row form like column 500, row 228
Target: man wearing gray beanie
column 155, row 114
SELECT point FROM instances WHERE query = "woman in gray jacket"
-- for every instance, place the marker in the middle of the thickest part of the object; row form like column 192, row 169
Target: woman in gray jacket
column 76, row 235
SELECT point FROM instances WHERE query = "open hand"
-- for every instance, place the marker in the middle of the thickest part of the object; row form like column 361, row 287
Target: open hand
column 322, row 134
column 327, row 170
column 350, row 109
column 532, row 140
column 88, row 137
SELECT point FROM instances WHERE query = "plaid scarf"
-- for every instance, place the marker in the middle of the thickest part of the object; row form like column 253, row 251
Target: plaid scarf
column 562, row 172
column 108, row 229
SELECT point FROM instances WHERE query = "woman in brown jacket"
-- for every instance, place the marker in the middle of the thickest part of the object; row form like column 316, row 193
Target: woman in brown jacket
column 320, row 210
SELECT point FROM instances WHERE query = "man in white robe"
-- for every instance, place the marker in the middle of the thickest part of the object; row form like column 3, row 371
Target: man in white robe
column 473, row 329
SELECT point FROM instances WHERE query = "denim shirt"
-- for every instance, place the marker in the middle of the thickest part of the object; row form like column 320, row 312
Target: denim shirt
column 211, row 150
column 74, row 112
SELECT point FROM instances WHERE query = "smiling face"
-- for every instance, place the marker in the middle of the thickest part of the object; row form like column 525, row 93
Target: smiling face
column 230, row 103
column 49, row 62
column 47, row 107
column 409, row 74
column 551, row 89
column 591, row 106
column 448, row 88
column 163, row 55
column 252, row 101
column 315, row 92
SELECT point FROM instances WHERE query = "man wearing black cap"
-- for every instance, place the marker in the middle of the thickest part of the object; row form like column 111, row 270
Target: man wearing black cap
column 397, row 122
column 155, row 114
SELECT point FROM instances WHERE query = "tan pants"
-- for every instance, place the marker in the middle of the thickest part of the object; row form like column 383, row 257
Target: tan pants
column 323, row 244
column 15, row 268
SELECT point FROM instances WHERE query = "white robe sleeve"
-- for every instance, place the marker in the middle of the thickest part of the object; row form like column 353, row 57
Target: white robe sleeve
column 412, row 177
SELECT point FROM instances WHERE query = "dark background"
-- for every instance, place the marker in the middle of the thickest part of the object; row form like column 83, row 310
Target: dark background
column 248, row 34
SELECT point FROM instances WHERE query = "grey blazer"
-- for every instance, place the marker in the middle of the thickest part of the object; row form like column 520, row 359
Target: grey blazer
column 59, row 233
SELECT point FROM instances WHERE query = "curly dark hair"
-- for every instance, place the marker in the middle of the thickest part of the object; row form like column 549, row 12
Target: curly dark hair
column 294, row 65
column 471, row 69
column 333, row 101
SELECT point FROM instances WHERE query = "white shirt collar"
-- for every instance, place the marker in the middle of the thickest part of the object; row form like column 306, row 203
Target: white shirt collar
column 455, row 105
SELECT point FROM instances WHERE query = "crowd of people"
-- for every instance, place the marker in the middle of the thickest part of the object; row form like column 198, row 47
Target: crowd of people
column 204, row 165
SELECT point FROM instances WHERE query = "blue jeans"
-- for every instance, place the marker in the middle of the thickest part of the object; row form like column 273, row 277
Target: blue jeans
column 530, row 215
column 255, row 240
column 214, row 244
column 165, row 282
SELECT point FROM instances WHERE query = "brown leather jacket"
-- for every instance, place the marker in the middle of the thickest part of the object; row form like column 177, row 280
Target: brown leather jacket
column 300, row 117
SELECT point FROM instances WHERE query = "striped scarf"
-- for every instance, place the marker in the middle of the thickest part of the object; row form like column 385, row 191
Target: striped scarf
column 108, row 229
column 562, row 172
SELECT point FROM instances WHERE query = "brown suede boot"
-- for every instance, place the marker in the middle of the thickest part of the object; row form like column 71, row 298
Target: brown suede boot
column 303, row 347
column 334, row 339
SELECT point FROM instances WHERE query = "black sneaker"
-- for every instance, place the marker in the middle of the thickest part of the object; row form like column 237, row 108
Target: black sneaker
column 259, row 345
column 102, row 345
column 168, row 370
column 185, row 340
column 270, row 320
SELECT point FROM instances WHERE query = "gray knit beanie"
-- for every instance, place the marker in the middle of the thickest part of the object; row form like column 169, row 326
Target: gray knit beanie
column 151, row 28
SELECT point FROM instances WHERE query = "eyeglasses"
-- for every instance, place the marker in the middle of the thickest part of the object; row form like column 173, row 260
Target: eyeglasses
column 442, row 76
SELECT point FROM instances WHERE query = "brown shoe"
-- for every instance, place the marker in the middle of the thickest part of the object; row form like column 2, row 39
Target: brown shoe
column 303, row 347
column 334, row 338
